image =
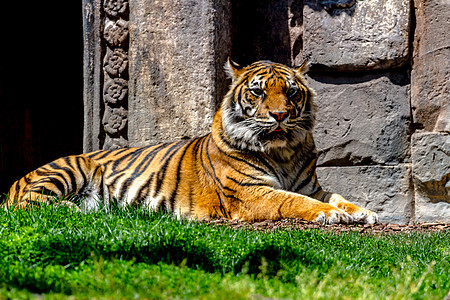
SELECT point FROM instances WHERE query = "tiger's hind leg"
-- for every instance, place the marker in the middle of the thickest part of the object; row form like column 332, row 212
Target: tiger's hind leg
column 75, row 176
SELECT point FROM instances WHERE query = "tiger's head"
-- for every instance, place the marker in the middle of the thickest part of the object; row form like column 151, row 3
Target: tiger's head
column 269, row 107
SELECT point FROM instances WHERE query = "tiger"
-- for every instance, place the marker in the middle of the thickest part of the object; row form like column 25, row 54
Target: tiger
column 257, row 163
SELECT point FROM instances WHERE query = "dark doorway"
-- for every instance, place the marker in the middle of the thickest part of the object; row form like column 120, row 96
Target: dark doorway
column 261, row 30
column 41, row 85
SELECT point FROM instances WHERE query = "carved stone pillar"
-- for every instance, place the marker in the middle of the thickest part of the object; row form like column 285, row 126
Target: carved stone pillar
column 153, row 72
column 92, row 73
column 106, row 74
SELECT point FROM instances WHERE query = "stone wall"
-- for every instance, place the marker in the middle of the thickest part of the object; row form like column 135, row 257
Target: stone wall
column 430, row 103
column 380, row 69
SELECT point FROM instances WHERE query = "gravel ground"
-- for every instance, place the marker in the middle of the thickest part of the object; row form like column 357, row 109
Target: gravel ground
column 378, row 228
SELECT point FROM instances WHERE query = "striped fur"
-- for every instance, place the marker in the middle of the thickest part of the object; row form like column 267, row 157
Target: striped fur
column 259, row 162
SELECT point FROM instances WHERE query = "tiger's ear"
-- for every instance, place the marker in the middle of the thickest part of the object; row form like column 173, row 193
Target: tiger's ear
column 233, row 70
column 304, row 67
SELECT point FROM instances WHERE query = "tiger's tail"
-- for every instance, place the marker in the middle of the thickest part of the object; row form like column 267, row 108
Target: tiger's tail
column 76, row 177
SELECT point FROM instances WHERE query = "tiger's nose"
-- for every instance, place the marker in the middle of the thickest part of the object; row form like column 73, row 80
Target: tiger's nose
column 279, row 115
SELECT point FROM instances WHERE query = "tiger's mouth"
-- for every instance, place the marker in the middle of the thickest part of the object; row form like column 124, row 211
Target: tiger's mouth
column 278, row 129
column 274, row 134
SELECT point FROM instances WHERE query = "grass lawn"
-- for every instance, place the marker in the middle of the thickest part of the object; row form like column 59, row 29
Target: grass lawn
column 55, row 252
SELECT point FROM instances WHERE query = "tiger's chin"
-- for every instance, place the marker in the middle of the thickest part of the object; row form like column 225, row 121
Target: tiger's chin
column 275, row 144
column 281, row 146
column 279, row 153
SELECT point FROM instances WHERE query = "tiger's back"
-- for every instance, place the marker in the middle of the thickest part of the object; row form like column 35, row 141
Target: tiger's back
column 259, row 162
column 160, row 176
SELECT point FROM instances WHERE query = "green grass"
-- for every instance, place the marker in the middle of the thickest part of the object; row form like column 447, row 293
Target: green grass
column 55, row 252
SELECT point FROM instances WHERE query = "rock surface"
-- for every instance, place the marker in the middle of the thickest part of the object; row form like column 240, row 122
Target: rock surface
column 362, row 120
column 381, row 70
column 357, row 35
column 384, row 190
column 430, row 77
column 431, row 176
column 177, row 53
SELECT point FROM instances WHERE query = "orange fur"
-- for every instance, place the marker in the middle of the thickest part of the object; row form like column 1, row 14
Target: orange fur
column 257, row 163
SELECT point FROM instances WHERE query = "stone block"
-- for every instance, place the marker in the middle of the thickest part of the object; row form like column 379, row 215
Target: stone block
column 356, row 35
column 431, row 176
column 362, row 120
column 92, row 62
column 384, row 190
column 430, row 76
column 177, row 53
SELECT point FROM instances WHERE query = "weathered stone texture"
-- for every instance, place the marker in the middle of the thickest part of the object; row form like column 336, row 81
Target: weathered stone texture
column 362, row 120
column 430, row 78
column 91, row 74
column 355, row 35
column 170, row 80
column 384, row 190
column 173, row 67
column 431, row 176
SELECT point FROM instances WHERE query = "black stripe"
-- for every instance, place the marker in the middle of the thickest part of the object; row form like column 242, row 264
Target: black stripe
column 161, row 174
column 116, row 179
column 227, row 188
column 233, row 197
column 265, row 163
column 102, row 153
column 305, row 181
column 216, row 179
column 223, row 210
column 146, row 161
column 53, row 175
column 218, row 185
column 246, row 183
column 132, row 156
column 306, row 162
column 317, row 189
column 246, row 175
column 17, row 188
column 196, row 149
column 26, row 179
column 198, row 146
column 101, row 180
column 177, row 180
column 240, row 159
column 68, row 169
column 55, row 182
column 144, row 189
column 81, row 171
column 44, row 191
column 201, row 159
column 71, row 173
column 226, row 142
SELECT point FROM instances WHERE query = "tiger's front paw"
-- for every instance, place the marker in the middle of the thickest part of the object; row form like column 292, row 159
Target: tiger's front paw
column 333, row 216
column 365, row 216
column 359, row 214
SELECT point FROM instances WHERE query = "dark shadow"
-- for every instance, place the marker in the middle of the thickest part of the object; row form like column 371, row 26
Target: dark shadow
column 272, row 30
column 260, row 31
column 41, row 86
column 396, row 76
column 333, row 7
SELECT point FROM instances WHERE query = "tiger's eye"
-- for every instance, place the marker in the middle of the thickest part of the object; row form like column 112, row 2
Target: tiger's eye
column 257, row 92
column 291, row 92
